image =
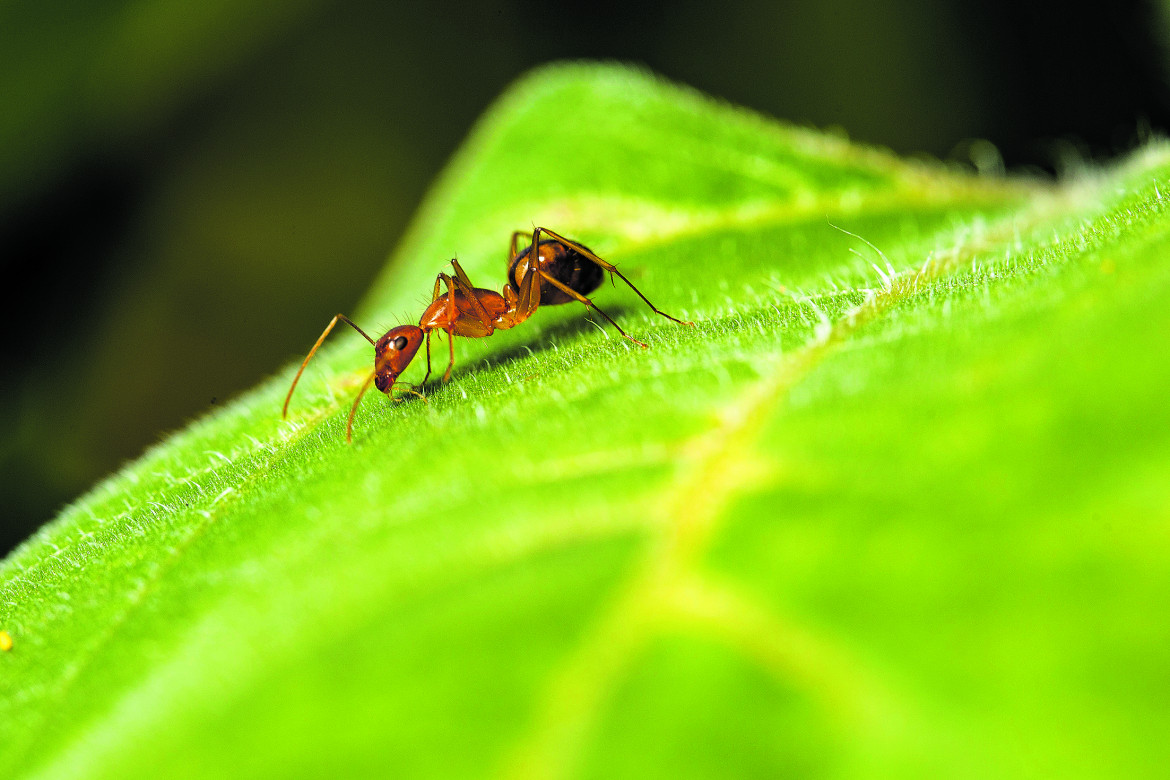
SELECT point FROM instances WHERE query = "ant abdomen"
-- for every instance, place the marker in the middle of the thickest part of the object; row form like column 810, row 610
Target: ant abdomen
column 566, row 265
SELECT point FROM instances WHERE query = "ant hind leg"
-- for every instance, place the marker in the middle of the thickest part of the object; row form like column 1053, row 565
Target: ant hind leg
column 607, row 266
column 514, row 246
column 578, row 296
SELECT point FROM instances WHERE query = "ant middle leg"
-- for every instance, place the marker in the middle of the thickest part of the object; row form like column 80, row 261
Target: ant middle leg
column 604, row 264
column 452, row 315
column 463, row 282
column 451, row 362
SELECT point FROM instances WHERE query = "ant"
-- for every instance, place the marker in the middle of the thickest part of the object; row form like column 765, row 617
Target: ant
column 547, row 272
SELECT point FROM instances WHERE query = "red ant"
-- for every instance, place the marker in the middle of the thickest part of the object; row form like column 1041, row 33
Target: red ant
column 564, row 271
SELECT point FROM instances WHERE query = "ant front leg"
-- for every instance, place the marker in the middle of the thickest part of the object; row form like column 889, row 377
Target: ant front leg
column 604, row 264
column 461, row 283
column 434, row 297
column 410, row 390
column 428, row 374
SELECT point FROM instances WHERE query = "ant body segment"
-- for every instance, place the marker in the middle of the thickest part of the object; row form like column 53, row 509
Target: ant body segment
column 548, row 272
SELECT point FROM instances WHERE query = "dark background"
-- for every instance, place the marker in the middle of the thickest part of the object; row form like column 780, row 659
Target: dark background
column 189, row 190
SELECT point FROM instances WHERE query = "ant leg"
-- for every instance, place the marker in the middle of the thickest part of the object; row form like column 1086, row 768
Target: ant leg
column 329, row 327
column 451, row 364
column 460, row 274
column 570, row 291
column 353, row 409
column 428, row 374
column 607, row 266
column 527, row 298
column 434, row 297
column 451, row 318
column 463, row 282
column 411, row 389
column 514, row 247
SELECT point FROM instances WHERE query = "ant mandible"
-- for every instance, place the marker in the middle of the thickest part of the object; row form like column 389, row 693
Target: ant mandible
column 548, row 272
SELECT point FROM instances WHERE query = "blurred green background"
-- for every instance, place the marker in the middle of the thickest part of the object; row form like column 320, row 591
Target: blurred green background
column 189, row 191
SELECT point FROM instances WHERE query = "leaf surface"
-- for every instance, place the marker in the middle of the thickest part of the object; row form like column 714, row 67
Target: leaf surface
column 896, row 504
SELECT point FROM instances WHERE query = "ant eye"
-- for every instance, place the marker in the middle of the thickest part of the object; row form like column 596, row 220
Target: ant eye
column 400, row 343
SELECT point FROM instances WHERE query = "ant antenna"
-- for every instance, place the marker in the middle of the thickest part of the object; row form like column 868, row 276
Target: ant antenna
column 366, row 386
column 353, row 409
column 301, row 370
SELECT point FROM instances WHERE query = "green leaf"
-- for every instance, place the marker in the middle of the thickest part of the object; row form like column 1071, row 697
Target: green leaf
column 895, row 505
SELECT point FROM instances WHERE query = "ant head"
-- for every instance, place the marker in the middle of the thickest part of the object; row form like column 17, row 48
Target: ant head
column 393, row 353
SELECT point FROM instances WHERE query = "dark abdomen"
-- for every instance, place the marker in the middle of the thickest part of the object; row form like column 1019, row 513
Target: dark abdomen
column 567, row 266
